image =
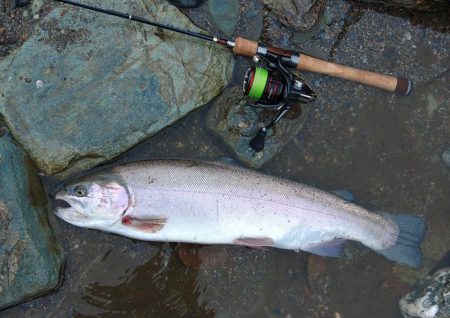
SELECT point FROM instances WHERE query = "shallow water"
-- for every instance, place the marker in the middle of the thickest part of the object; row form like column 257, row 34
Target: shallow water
column 383, row 148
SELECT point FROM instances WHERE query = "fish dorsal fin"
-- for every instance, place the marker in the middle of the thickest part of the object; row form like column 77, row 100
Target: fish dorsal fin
column 329, row 248
column 344, row 194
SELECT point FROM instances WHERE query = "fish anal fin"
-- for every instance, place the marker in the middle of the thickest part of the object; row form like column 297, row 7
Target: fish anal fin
column 151, row 225
column 254, row 242
column 329, row 248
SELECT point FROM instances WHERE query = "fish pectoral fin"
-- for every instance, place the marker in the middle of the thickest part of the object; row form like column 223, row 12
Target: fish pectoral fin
column 254, row 242
column 329, row 248
column 151, row 225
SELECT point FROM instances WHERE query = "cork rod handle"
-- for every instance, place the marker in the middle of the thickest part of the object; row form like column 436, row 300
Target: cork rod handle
column 245, row 47
column 389, row 83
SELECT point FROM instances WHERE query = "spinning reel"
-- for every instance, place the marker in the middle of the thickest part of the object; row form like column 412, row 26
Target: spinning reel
column 273, row 87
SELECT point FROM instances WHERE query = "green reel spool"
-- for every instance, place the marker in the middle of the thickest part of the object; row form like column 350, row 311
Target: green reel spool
column 255, row 81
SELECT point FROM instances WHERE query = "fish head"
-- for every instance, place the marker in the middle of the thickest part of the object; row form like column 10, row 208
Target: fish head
column 93, row 202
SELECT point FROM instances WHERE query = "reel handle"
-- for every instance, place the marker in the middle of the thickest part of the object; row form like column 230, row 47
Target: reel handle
column 257, row 143
column 389, row 83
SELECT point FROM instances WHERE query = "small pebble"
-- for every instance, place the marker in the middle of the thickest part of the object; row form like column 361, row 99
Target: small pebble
column 39, row 84
column 36, row 16
column 408, row 36
column 309, row 158
column 243, row 124
column 446, row 157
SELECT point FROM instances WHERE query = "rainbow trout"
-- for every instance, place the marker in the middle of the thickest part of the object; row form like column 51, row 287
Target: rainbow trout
column 214, row 203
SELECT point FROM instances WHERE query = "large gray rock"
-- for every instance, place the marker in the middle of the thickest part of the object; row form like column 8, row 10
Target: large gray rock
column 225, row 15
column 430, row 297
column 300, row 15
column 87, row 86
column 30, row 256
column 236, row 123
column 8, row 5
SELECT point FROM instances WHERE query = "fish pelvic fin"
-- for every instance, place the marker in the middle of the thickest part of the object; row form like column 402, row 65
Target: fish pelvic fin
column 406, row 249
column 254, row 242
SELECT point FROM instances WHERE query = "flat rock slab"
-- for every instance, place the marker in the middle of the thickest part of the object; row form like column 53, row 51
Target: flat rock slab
column 87, row 86
column 30, row 256
column 237, row 123
column 300, row 15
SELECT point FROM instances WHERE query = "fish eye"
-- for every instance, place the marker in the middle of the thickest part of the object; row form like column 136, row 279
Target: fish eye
column 80, row 191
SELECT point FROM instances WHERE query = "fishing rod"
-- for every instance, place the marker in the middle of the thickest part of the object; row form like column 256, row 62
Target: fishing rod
column 270, row 83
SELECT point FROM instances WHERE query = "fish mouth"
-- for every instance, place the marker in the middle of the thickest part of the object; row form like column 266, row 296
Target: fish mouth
column 61, row 204
column 62, row 208
column 65, row 210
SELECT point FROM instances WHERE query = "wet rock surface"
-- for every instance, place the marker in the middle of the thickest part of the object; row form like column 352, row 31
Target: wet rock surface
column 31, row 258
column 224, row 14
column 237, row 124
column 426, row 13
column 300, row 15
column 446, row 157
column 8, row 5
column 385, row 149
column 430, row 298
column 82, row 70
column 17, row 25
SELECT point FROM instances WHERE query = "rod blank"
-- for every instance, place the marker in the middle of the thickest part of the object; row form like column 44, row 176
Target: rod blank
column 140, row 20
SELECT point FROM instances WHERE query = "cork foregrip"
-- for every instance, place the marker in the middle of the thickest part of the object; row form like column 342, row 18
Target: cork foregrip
column 245, row 47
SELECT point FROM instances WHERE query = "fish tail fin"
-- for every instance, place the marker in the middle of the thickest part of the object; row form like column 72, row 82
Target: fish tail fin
column 406, row 249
